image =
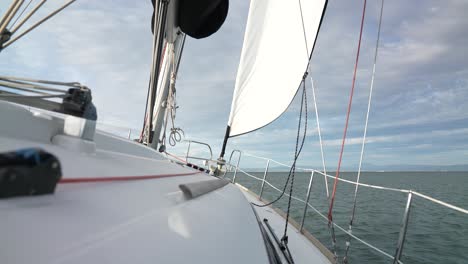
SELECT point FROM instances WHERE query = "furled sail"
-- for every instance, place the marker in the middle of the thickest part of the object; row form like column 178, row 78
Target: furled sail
column 199, row 19
column 279, row 39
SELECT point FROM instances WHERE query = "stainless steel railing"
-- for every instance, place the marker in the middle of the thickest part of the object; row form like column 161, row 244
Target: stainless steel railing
column 237, row 164
column 396, row 258
column 188, row 156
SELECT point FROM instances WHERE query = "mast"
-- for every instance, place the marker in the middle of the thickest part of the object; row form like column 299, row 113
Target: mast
column 167, row 40
column 160, row 11
column 169, row 69
column 172, row 20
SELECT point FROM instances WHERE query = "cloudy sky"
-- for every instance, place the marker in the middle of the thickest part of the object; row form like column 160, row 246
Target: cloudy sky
column 419, row 113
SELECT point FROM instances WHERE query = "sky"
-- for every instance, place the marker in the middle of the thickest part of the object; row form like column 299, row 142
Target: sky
column 419, row 112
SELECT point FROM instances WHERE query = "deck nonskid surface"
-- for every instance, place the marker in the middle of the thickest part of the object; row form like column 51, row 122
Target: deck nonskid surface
column 132, row 221
column 146, row 221
column 302, row 250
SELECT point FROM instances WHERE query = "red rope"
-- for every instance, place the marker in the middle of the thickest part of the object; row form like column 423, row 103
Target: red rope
column 330, row 210
column 123, row 178
column 176, row 157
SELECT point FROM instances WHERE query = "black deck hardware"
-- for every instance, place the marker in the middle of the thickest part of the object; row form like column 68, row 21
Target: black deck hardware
column 79, row 103
column 273, row 256
column 282, row 246
column 27, row 172
column 4, row 37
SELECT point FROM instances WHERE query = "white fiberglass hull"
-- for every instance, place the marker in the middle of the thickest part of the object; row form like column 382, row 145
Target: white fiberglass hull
column 129, row 221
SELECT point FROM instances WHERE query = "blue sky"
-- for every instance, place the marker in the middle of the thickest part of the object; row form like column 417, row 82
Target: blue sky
column 419, row 113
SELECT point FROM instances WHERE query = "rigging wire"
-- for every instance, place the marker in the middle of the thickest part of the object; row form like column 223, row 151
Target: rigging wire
column 318, row 123
column 303, row 103
column 320, row 136
column 337, row 175
column 348, row 242
column 22, row 12
column 11, row 41
column 313, row 96
column 298, row 149
column 32, row 86
column 296, row 155
column 34, row 96
column 19, row 84
column 284, row 239
column 23, row 80
column 146, row 112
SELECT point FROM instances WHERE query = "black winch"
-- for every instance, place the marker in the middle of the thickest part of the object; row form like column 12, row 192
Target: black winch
column 28, row 171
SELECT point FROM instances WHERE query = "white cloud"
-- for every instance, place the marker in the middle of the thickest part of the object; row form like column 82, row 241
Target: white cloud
column 421, row 80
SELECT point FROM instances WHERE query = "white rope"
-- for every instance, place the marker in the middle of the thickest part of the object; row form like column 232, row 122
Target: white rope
column 282, row 164
column 456, row 208
column 459, row 209
column 339, row 227
column 365, row 132
column 249, row 175
column 319, row 133
column 292, row 197
column 368, row 185
column 176, row 133
column 277, row 162
column 313, row 95
column 258, row 157
column 330, row 176
column 353, row 236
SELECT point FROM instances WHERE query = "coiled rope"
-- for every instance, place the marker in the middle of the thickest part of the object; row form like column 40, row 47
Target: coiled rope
column 175, row 133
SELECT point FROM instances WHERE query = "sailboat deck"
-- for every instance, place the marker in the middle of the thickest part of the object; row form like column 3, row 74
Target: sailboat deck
column 130, row 221
column 303, row 246
column 142, row 221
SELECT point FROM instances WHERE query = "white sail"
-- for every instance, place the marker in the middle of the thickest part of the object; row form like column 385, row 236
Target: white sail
column 277, row 45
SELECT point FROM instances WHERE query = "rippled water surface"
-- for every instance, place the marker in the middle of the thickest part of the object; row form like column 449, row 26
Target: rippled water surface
column 435, row 234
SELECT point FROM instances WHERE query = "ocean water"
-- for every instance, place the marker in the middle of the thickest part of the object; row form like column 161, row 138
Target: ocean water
column 435, row 234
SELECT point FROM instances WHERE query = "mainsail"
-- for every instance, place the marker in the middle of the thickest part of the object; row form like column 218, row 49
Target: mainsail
column 278, row 42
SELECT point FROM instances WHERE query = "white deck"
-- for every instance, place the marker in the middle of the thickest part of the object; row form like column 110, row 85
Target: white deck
column 142, row 221
column 302, row 249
